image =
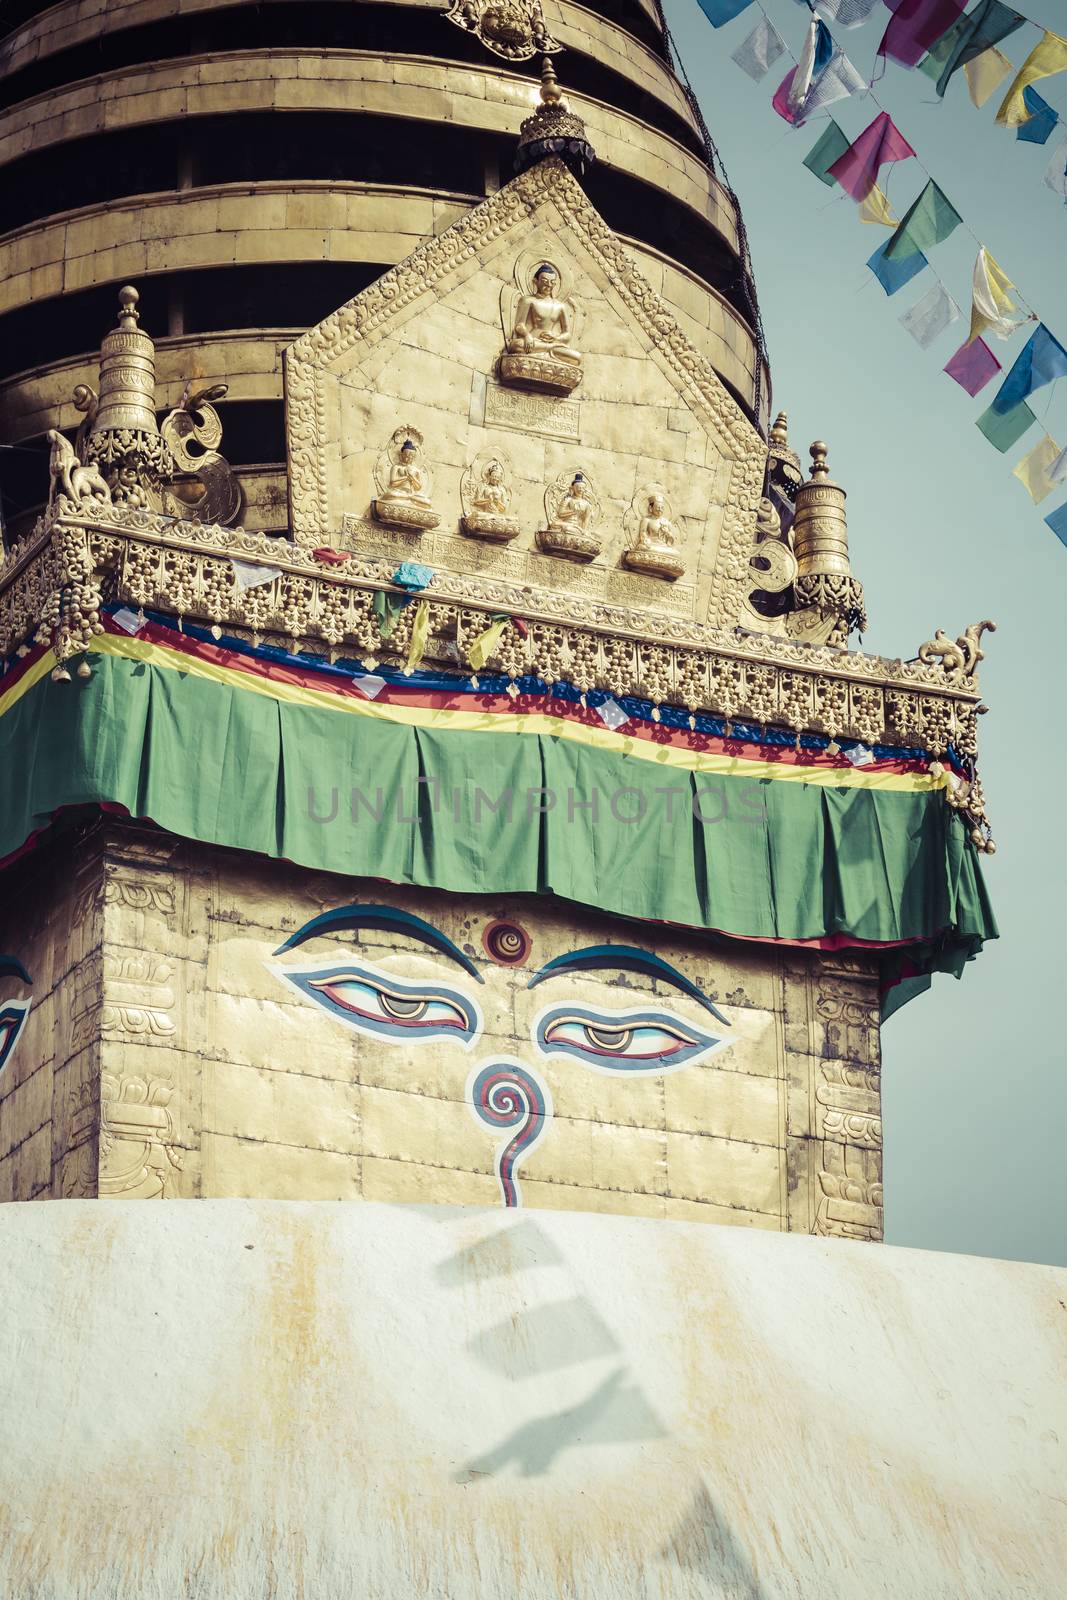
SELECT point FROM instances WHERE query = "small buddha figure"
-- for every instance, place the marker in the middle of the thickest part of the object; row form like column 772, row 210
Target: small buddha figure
column 486, row 501
column 653, row 548
column 403, row 499
column 571, row 520
column 540, row 349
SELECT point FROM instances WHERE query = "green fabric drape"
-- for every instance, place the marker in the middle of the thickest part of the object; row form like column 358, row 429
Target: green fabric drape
column 355, row 795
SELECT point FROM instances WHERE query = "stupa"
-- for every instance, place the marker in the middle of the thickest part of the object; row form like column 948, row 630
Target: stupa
column 439, row 775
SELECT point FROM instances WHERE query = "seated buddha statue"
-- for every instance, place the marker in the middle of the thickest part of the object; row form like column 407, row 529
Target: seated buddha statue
column 540, row 350
column 653, row 548
column 570, row 525
column 404, row 501
column 486, row 503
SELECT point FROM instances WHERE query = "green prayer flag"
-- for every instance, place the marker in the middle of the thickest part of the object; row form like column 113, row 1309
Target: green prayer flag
column 933, row 63
column 930, row 221
column 387, row 607
column 1005, row 428
column 829, row 147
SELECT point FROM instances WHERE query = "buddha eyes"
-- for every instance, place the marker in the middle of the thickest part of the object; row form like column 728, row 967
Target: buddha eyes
column 636, row 1042
column 378, row 1003
column 12, row 1020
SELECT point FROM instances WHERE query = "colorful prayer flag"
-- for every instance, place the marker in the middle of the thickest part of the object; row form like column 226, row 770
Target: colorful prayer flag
column 985, row 74
column 420, row 633
column 757, row 54
column 1056, row 171
column 876, row 208
column 719, row 12
column 930, row 316
column 916, row 25
column 830, row 144
column 973, row 365
column 1041, row 121
column 484, row 645
column 991, row 304
column 1042, row 360
column 1005, row 428
column 969, row 39
column 1047, row 57
column 1057, row 521
column 893, row 275
column 930, row 221
column 792, row 91
column 857, row 170
column 1033, row 471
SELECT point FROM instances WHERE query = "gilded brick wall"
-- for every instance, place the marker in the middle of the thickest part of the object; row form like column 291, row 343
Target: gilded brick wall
column 171, row 1050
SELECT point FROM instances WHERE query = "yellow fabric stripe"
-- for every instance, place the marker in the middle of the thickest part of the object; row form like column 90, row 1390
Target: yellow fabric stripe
column 31, row 676
column 158, row 655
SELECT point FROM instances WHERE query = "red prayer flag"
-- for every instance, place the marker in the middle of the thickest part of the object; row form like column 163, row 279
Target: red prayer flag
column 916, row 25
column 332, row 558
column 973, row 365
column 857, row 170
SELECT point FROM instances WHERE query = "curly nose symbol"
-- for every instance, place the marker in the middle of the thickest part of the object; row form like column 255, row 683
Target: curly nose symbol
column 511, row 1099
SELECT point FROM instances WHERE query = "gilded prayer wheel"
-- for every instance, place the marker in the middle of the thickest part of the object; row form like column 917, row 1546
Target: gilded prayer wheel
column 127, row 374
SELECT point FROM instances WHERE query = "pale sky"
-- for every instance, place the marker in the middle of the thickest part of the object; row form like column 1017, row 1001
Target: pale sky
column 974, row 1073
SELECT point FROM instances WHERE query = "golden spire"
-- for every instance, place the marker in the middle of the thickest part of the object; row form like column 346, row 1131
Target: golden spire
column 820, row 542
column 124, row 438
column 553, row 130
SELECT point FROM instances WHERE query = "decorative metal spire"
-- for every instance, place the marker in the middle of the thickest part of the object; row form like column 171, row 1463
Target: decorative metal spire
column 820, row 540
column 123, row 437
column 553, row 130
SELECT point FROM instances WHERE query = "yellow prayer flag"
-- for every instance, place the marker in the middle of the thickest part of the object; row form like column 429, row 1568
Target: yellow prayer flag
column 876, row 209
column 1047, row 57
column 420, row 632
column 481, row 648
column 986, row 73
column 992, row 305
column 1033, row 470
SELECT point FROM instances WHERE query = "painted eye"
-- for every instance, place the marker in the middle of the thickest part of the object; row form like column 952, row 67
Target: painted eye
column 377, row 1003
column 12, row 1021
column 638, row 1042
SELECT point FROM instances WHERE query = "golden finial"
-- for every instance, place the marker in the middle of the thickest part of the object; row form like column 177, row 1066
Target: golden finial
column 819, row 468
column 780, row 431
column 129, row 316
column 551, row 93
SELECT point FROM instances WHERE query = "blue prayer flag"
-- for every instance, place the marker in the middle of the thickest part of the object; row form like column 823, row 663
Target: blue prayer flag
column 1042, row 118
column 1042, row 360
column 1057, row 521
column 720, row 11
column 895, row 273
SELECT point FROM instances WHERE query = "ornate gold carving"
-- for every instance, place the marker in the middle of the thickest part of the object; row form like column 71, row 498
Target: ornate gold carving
column 514, row 29
column 185, row 569
column 404, row 483
column 650, row 526
column 486, row 499
column 959, row 660
column 540, row 326
column 137, row 1136
column 572, row 506
column 69, row 478
column 361, row 321
column 553, row 130
column 194, row 421
column 824, row 585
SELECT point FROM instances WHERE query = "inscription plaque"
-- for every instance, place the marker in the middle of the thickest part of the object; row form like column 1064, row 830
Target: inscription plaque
column 532, row 413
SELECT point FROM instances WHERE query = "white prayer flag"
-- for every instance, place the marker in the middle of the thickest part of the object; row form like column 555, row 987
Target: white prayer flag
column 1058, row 470
column 611, row 714
column 930, row 316
column 798, row 89
column 250, row 576
column 846, row 13
column 758, row 53
column 991, row 301
column 837, row 80
column 1056, row 172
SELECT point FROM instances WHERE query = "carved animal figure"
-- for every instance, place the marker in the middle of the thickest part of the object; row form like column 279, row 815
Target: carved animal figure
column 962, row 656
column 70, row 477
